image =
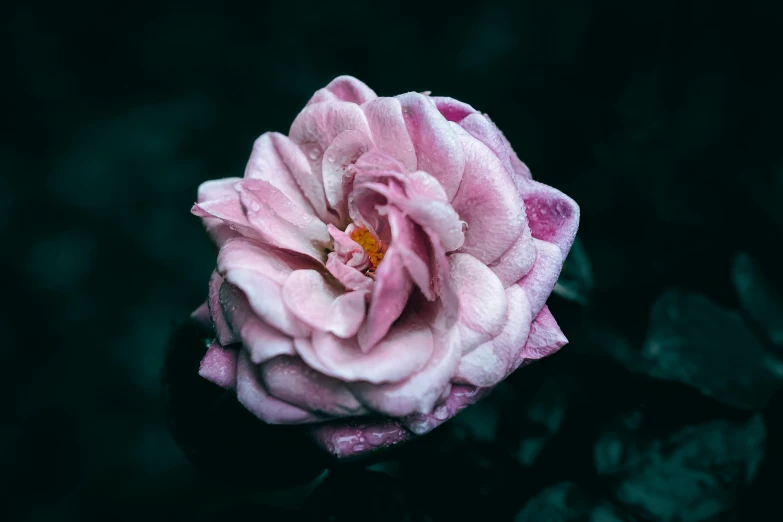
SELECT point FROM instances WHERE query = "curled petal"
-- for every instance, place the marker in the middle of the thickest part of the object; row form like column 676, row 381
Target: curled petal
column 492, row 361
column 553, row 216
column 517, row 260
column 280, row 162
column 438, row 151
column 540, row 281
column 280, row 223
column 545, row 338
column 259, row 273
column 459, row 398
column 489, row 202
column 403, row 351
column 482, row 301
column 255, row 398
column 420, row 392
column 351, row 278
column 219, row 366
column 359, row 436
column 389, row 131
column 224, row 332
column 344, row 88
column 218, row 230
column 451, row 109
column 337, row 176
column 318, row 304
column 291, row 380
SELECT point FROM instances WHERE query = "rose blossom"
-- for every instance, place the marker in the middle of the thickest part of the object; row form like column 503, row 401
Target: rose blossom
column 380, row 268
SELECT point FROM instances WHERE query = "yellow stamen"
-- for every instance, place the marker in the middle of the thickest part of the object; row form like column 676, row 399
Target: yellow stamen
column 375, row 249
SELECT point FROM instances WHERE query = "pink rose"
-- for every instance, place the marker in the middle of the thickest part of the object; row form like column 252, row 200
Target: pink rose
column 380, row 268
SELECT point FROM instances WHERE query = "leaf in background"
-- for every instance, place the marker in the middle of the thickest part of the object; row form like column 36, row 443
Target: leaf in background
column 692, row 475
column 757, row 296
column 576, row 279
column 542, row 420
column 694, row 341
column 567, row 502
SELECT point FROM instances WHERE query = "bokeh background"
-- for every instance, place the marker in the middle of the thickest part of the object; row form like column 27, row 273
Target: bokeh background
column 662, row 119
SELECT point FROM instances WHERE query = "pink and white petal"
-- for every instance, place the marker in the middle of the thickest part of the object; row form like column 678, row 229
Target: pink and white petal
column 404, row 351
column 553, row 216
column 421, row 391
column 491, row 362
column 350, row 277
column 517, row 260
column 291, row 380
column 438, row 151
column 389, row 131
column 411, row 243
column 319, row 124
column 260, row 274
column 280, row 162
column 350, row 439
column 219, row 366
column 223, row 330
column 488, row 201
column 487, row 133
column 521, row 173
column 280, row 223
column 482, row 301
column 545, row 338
column 451, row 109
column 318, row 304
column 393, row 286
column 344, row 88
column 216, row 189
column 224, row 219
column 540, row 281
column 343, row 152
column 257, row 400
column 459, row 398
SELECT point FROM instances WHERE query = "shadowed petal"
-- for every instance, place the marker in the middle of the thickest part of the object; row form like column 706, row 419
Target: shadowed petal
column 545, row 338
column 540, row 281
column 346, row 148
column 219, row 365
column 553, row 216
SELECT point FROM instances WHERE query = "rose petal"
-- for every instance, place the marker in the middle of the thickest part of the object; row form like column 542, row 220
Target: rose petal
column 482, row 301
column 223, row 331
column 403, row 351
column 291, row 380
column 517, row 260
column 351, row 278
column 488, row 201
column 279, row 222
column 459, row 398
column 343, row 439
column 553, row 216
column 218, row 230
column 202, row 316
column 255, row 398
column 438, row 151
column 280, row 162
column 219, row 366
column 317, row 303
column 343, row 88
column 451, row 109
column 389, row 132
column 420, row 392
column 540, row 281
column 224, row 219
column 481, row 128
column 337, row 177
column 492, row 361
column 545, row 337
column 522, row 174
column 260, row 274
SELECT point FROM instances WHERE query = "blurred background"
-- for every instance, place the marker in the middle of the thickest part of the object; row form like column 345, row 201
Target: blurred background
column 662, row 119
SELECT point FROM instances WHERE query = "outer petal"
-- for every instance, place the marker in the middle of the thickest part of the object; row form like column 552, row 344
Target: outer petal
column 403, row 351
column 438, row 151
column 255, row 398
column 218, row 230
column 459, row 398
column 487, row 133
column 451, row 109
column 482, row 301
column 291, row 380
column 280, row 223
column 517, row 260
column 420, row 392
column 545, row 338
column 224, row 332
column 260, row 274
column 224, row 219
column 344, row 88
column 280, row 162
column 553, row 216
column 219, row 365
column 540, row 281
column 521, row 172
column 315, row 302
column 491, row 362
column 489, row 202
column 357, row 437
column 389, row 131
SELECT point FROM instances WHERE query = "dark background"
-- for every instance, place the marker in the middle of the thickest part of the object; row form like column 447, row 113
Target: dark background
column 662, row 119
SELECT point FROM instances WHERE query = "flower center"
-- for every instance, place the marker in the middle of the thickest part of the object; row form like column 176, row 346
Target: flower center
column 375, row 249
